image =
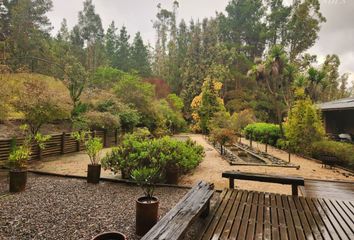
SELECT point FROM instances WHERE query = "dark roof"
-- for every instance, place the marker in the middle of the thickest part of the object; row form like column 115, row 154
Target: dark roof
column 341, row 104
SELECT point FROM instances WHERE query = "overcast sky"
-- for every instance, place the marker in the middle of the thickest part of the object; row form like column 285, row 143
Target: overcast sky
column 336, row 36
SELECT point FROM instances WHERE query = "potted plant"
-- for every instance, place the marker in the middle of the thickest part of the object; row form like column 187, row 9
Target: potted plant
column 148, row 205
column 110, row 236
column 19, row 157
column 18, row 168
column 93, row 147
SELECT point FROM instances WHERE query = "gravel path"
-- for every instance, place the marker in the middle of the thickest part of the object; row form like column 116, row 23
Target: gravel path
column 63, row 208
column 213, row 165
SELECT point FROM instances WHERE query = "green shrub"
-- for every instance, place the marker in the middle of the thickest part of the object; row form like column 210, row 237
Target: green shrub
column 262, row 132
column 343, row 151
column 303, row 126
column 138, row 152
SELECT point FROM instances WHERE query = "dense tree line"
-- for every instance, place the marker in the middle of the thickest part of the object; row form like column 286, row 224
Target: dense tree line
column 255, row 50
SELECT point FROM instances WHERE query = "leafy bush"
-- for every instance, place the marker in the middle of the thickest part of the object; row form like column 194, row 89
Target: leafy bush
column 262, row 132
column 303, row 126
column 343, row 151
column 138, row 151
column 102, row 120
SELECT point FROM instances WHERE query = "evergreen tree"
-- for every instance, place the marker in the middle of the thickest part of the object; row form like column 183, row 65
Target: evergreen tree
column 123, row 51
column 63, row 34
column 140, row 58
column 111, row 39
column 27, row 30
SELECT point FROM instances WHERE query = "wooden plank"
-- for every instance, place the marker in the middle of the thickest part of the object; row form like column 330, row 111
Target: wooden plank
column 253, row 216
column 281, row 217
column 238, row 218
column 245, row 217
column 267, row 221
column 343, row 214
column 220, row 226
column 307, row 226
column 302, row 229
column 260, row 217
column 211, row 228
column 211, row 216
column 263, row 177
column 274, row 217
column 321, row 226
column 174, row 224
column 231, row 218
column 336, row 225
column 341, row 219
column 347, row 210
column 325, row 220
column 288, row 218
column 316, row 232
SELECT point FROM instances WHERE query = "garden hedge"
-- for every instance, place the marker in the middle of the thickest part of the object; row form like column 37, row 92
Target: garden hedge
column 263, row 132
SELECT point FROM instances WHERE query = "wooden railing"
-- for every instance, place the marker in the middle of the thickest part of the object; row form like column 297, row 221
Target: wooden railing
column 58, row 144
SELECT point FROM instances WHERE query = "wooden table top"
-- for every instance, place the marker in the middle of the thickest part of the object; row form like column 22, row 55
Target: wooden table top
column 241, row 214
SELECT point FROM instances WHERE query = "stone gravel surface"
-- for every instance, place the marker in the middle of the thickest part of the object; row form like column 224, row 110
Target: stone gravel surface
column 63, row 208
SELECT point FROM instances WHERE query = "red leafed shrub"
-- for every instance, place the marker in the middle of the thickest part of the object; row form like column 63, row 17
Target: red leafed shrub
column 162, row 89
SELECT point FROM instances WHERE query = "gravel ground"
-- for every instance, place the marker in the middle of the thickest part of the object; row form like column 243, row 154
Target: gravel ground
column 211, row 168
column 63, row 208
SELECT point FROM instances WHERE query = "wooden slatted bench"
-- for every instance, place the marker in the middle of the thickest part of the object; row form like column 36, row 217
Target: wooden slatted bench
column 293, row 181
column 175, row 223
column 241, row 214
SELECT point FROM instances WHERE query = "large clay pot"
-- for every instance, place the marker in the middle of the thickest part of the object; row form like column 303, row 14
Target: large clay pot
column 18, row 180
column 146, row 214
column 110, row 236
column 172, row 175
column 93, row 173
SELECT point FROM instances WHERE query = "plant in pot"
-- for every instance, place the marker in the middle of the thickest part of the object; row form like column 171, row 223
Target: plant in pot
column 93, row 147
column 148, row 205
column 19, row 157
column 110, row 236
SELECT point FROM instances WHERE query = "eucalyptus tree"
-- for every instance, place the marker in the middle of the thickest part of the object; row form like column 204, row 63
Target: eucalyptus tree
column 91, row 31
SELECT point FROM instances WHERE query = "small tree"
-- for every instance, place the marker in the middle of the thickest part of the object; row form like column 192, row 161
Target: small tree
column 223, row 136
column 41, row 104
column 303, row 126
column 19, row 155
column 93, row 145
column 146, row 178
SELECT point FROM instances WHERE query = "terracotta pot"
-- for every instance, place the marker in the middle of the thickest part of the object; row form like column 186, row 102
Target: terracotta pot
column 18, row 180
column 93, row 173
column 146, row 214
column 172, row 175
column 110, row 236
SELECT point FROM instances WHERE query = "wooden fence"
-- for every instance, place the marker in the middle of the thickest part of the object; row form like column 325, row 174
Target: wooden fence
column 58, row 144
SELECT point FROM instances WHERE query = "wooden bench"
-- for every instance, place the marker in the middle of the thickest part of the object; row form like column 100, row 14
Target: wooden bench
column 293, row 181
column 175, row 223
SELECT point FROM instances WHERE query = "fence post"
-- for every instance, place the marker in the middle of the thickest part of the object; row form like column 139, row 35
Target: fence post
column 266, row 146
column 251, row 140
column 104, row 137
column 78, row 147
column 62, row 145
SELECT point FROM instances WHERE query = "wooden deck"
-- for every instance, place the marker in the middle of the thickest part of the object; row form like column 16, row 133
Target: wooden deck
column 241, row 214
column 329, row 189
